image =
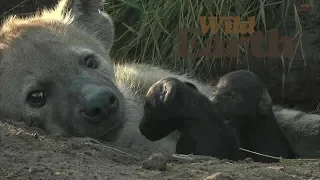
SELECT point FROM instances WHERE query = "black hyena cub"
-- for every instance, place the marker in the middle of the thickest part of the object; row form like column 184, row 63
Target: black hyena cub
column 245, row 103
column 174, row 105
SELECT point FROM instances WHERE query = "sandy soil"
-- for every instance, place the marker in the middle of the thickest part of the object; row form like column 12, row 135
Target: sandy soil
column 27, row 153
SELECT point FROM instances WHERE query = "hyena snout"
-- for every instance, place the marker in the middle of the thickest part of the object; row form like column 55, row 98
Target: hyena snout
column 98, row 103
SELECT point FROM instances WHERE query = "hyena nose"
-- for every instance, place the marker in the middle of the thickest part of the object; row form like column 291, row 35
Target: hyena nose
column 99, row 102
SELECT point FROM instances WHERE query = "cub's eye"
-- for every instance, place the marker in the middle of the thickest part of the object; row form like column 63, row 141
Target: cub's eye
column 91, row 62
column 36, row 98
column 234, row 98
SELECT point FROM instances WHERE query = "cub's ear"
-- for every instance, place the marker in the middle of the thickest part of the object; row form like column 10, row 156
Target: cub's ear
column 265, row 104
column 89, row 16
column 191, row 85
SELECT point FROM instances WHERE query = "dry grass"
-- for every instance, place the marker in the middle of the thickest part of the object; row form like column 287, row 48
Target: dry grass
column 153, row 39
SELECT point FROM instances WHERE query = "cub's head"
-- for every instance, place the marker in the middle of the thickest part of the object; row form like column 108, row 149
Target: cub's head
column 241, row 94
column 170, row 105
column 56, row 72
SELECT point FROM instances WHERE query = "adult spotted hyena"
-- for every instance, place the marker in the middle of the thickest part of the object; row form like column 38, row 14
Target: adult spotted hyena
column 56, row 74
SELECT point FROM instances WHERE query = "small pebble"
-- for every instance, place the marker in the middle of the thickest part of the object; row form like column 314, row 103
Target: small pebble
column 247, row 160
column 155, row 162
column 276, row 167
column 219, row 176
column 35, row 135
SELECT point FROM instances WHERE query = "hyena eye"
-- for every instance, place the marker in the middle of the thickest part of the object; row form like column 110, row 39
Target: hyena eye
column 91, row 62
column 36, row 98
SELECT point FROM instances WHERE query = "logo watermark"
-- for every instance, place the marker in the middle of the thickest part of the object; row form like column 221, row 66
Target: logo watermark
column 215, row 46
column 303, row 6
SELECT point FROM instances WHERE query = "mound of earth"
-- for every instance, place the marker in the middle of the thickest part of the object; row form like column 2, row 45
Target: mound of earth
column 28, row 153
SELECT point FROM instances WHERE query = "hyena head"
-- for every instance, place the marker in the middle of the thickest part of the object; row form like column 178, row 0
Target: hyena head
column 56, row 72
column 241, row 94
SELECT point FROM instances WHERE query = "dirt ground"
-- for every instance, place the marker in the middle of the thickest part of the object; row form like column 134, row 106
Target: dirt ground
column 27, row 153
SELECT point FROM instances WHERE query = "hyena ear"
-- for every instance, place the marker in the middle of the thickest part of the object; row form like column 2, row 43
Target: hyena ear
column 265, row 104
column 89, row 16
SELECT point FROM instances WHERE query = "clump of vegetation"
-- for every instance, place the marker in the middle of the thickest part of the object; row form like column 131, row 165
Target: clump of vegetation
column 148, row 29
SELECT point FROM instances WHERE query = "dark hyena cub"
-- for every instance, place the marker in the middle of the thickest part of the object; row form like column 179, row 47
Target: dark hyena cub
column 245, row 103
column 173, row 105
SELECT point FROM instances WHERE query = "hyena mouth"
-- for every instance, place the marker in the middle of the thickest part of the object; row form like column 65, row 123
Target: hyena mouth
column 93, row 120
column 113, row 133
